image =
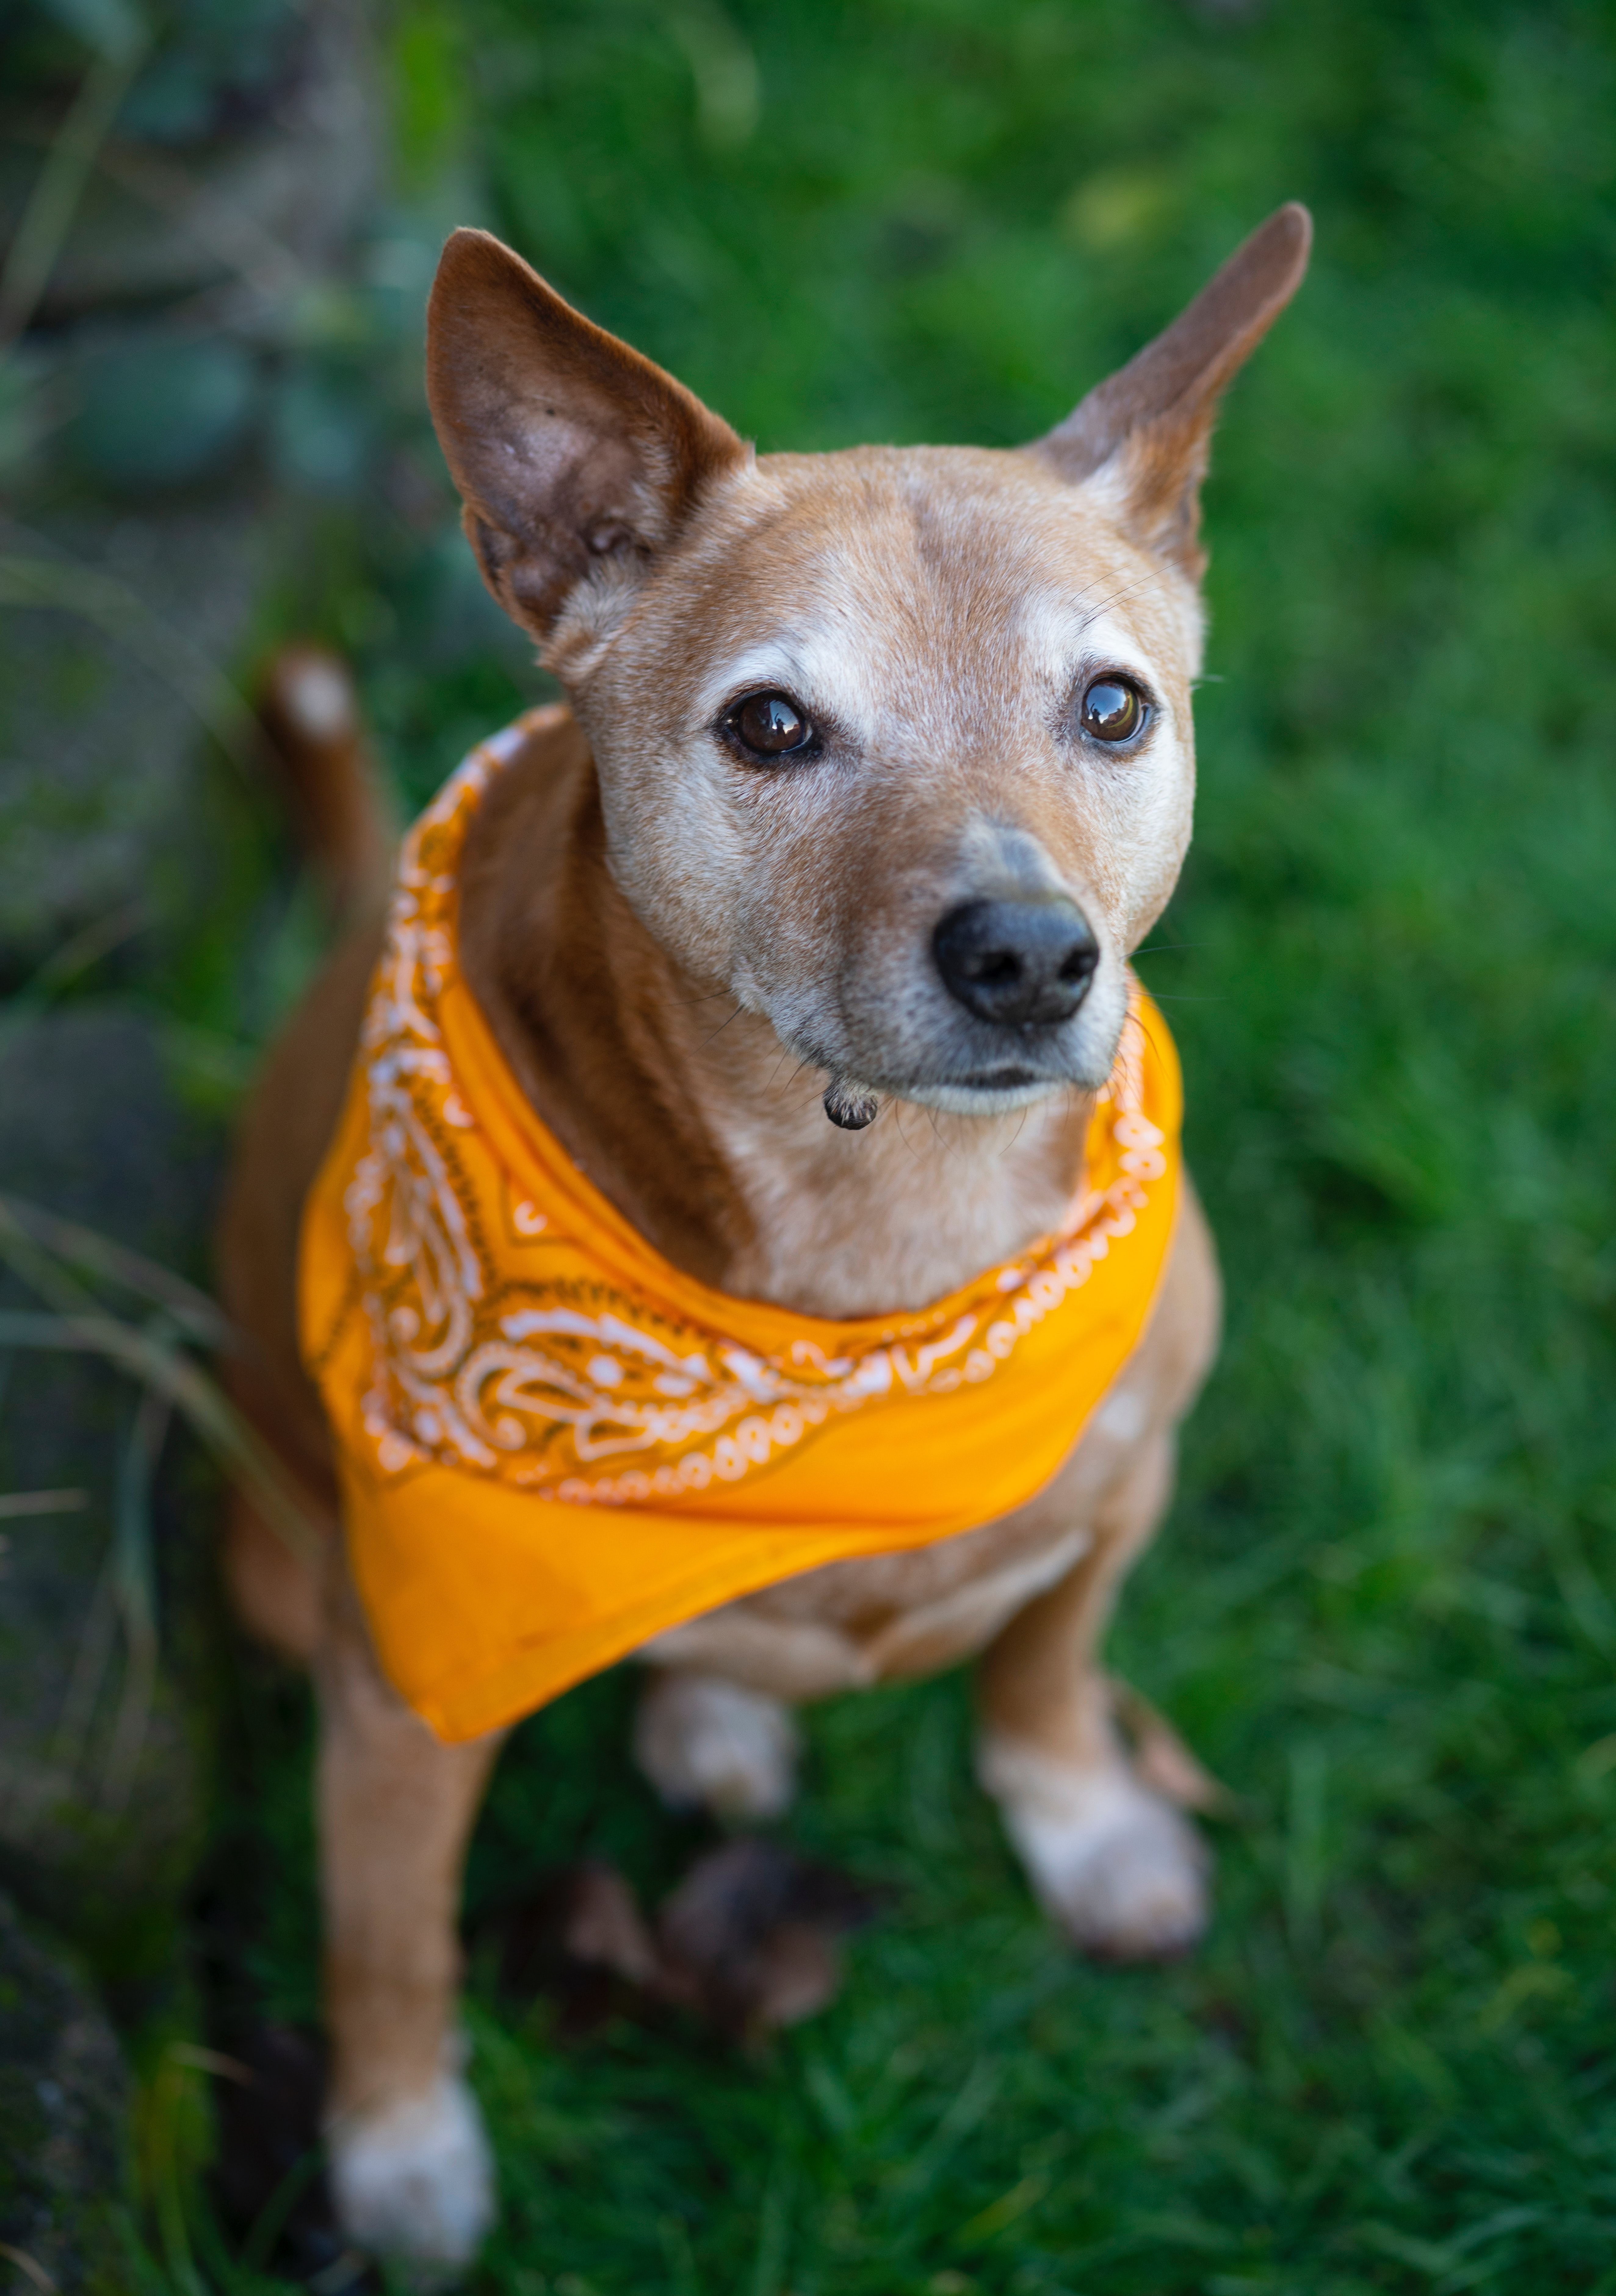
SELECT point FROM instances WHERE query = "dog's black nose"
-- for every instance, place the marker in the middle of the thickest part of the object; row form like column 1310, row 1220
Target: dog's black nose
column 1017, row 962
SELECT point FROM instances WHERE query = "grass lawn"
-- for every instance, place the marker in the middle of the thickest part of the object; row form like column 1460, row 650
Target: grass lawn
column 1384, row 1608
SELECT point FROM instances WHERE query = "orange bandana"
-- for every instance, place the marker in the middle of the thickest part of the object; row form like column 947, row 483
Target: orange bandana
column 553, row 1445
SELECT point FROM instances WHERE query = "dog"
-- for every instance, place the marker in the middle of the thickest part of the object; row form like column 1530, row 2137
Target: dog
column 799, row 938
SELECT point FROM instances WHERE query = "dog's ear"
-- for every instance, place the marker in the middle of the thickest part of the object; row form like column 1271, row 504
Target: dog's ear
column 566, row 446
column 1147, row 427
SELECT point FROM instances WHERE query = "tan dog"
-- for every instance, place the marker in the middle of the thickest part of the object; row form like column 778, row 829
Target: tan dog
column 821, row 707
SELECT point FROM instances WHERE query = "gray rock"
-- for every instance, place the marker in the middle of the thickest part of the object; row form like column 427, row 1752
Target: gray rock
column 63, row 2101
column 201, row 260
column 259, row 182
column 100, row 1788
column 103, row 780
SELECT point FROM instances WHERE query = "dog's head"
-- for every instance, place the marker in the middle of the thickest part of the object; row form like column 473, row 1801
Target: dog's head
column 894, row 743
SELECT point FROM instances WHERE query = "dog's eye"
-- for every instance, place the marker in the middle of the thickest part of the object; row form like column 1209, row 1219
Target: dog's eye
column 769, row 724
column 1113, row 709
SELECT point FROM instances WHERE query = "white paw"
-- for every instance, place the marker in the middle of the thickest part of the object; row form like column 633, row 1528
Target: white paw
column 413, row 2181
column 705, row 1743
column 1116, row 1866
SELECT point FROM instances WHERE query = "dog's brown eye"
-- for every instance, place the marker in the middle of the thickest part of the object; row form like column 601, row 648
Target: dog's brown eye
column 769, row 724
column 1113, row 709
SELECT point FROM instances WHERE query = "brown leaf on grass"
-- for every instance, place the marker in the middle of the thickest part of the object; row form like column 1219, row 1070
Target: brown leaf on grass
column 580, row 1938
column 748, row 1941
column 604, row 1928
column 750, row 1938
column 1161, row 1759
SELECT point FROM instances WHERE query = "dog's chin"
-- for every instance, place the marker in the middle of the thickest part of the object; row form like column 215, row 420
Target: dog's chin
column 997, row 1087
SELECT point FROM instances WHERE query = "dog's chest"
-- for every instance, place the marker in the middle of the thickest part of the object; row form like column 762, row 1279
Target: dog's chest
column 891, row 1220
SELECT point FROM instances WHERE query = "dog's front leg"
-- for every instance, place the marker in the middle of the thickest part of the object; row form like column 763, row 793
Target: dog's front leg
column 1117, row 1867
column 410, row 2169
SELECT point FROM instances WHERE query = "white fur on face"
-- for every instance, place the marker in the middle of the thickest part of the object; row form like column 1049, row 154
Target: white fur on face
column 937, row 613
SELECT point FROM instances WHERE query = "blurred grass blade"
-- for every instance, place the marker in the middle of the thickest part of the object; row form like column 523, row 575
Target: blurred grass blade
column 30, row 2266
column 90, row 1662
column 975, row 2099
column 30, row 1327
column 98, row 1255
column 38, row 1269
column 1306, row 1852
column 63, row 966
column 71, row 587
column 1587, row 1603
column 267, row 2226
column 205, row 1407
column 171, row 2120
column 725, row 70
column 229, row 230
column 53, row 201
column 134, row 1588
column 79, row 1324
column 112, row 26
column 16, row 1504
column 774, row 2230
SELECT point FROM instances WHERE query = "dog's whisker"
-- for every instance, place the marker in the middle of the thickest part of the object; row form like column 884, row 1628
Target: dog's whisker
column 722, row 1024
column 1126, row 591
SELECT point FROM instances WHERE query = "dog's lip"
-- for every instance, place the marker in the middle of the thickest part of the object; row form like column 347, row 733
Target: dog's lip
column 1005, row 1077
column 1002, row 1079
column 997, row 1076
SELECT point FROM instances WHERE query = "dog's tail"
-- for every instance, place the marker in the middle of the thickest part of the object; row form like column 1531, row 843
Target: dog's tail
column 308, row 707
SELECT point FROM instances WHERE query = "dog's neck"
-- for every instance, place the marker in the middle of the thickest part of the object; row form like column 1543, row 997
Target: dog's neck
column 686, row 1112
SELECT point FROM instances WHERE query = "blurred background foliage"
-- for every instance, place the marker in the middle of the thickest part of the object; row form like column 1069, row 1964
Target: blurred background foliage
column 1385, row 1607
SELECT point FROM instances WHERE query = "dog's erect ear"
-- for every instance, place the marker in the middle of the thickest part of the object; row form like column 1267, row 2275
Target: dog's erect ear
column 1147, row 426
column 566, row 446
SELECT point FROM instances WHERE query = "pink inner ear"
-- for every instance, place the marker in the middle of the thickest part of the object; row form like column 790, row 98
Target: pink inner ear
column 583, row 478
column 566, row 444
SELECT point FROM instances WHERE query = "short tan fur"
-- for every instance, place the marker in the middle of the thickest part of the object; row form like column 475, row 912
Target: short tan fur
column 687, row 952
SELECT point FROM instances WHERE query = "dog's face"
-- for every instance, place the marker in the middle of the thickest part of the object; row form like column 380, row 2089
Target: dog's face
column 895, row 745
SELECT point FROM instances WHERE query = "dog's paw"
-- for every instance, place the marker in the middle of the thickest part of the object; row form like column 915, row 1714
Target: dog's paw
column 707, row 1744
column 1123, row 1873
column 414, row 2182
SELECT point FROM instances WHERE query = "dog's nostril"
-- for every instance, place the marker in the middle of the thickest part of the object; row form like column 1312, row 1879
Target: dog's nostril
column 998, row 968
column 1017, row 962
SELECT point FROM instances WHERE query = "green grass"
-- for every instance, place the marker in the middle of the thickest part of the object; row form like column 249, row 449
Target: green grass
column 1384, row 1608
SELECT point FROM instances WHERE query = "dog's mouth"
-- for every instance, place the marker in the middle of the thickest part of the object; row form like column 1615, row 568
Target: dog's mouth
column 1014, row 1074
column 950, row 1062
column 1010, row 1079
column 982, row 1087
